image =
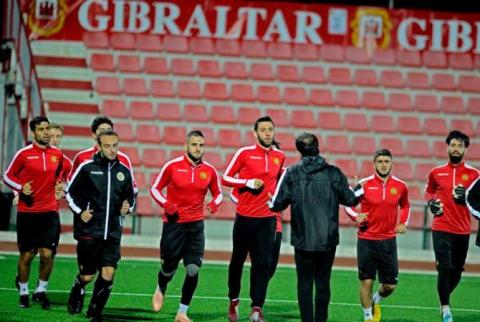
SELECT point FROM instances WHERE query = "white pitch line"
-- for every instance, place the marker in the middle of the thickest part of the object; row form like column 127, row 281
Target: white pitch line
column 218, row 298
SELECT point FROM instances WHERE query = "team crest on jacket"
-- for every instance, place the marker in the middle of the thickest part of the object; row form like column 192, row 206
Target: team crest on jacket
column 203, row 175
column 465, row 177
column 53, row 159
column 276, row 161
column 120, row 176
column 393, row 191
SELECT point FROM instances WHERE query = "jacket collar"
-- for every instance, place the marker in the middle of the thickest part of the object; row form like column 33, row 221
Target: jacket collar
column 190, row 164
column 261, row 148
column 453, row 166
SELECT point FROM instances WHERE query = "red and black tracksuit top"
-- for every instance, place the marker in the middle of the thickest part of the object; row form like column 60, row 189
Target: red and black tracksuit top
column 382, row 201
column 43, row 167
column 187, row 184
column 254, row 162
column 441, row 182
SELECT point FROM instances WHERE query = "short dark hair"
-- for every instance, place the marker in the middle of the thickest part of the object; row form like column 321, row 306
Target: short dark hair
column 106, row 133
column 460, row 136
column 307, row 144
column 195, row 133
column 36, row 121
column 263, row 119
column 100, row 120
column 382, row 153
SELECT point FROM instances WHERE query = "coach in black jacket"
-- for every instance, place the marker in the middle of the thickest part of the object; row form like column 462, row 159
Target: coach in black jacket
column 473, row 204
column 99, row 194
column 315, row 190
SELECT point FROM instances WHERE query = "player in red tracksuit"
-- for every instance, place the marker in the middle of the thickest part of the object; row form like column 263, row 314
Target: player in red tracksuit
column 254, row 171
column 34, row 173
column 445, row 194
column 187, row 180
column 379, row 222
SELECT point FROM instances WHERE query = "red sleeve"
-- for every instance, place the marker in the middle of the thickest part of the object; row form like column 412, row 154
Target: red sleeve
column 228, row 178
column 430, row 188
column 404, row 207
column 215, row 189
column 76, row 163
column 11, row 175
column 161, row 182
column 67, row 168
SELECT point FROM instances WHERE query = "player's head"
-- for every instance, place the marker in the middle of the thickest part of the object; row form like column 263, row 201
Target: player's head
column 39, row 126
column 195, row 146
column 382, row 161
column 264, row 131
column 99, row 124
column 307, row 144
column 457, row 143
column 108, row 144
column 56, row 134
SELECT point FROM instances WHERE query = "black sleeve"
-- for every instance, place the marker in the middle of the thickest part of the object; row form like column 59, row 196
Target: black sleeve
column 76, row 193
column 129, row 193
column 283, row 194
column 345, row 194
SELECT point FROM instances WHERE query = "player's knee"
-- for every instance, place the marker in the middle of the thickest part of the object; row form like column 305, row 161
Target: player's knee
column 192, row 269
column 45, row 253
column 108, row 273
column 389, row 287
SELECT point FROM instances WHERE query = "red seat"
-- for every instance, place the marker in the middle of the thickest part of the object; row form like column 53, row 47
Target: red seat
column 452, row 104
column 357, row 55
column 215, row 159
column 422, row 170
column 365, row 77
column 355, row 122
column 279, row 117
column 175, row 154
column 444, row 82
column 108, row 85
column 141, row 110
column 122, row 41
column 418, row 149
column 426, row 103
column 201, row 45
column 279, row 50
column 135, row 87
column 435, row 126
column 295, row 96
column 439, row 149
column 468, row 83
column 215, row 91
column 181, row 66
column 102, row 62
column 286, row 141
column 253, row 48
column 408, row 58
column 474, row 151
column 189, row 89
column 154, row 65
column 464, row 125
column 321, row 97
column 340, row 76
column 131, row 152
column 329, row 121
column 144, row 206
column 348, row 167
column 148, row 133
column 303, row 119
column 366, row 169
column 129, row 64
column 261, row 71
column 209, row 135
column 337, row 144
column 227, row 47
column 364, row 145
column 403, row 170
column 229, row 137
column 374, row 100
column 382, row 123
column 416, row 220
column 268, row 94
column 409, row 125
column 96, row 40
column 394, row 145
column 400, row 102
column 248, row 115
column 313, row 74
column 196, row 113
column 146, row 42
column 287, row 73
column 347, row 98
column 418, row 80
column 434, row 59
column 174, row 134
column 392, row 78
column 114, row 108
column 461, row 61
column 162, row 88
column 125, row 131
column 169, row 112
column 289, row 161
column 209, row 68
column 235, row 70
column 175, row 44
column 242, row 93
column 306, row 52
column 473, row 105
column 222, row 114
column 153, row 158
column 332, row 53
column 384, row 57
column 141, row 180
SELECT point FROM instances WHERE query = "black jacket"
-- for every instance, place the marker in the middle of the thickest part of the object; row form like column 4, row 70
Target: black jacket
column 473, row 204
column 314, row 189
column 102, row 185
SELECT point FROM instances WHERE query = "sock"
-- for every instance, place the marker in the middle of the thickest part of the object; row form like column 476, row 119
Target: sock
column 163, row 279
column 41, row 286
column 189, row 286
column 23, row 288
column 446, row 310
column 100, row 295
column 183, row 308
column 377, row 298
column 367, row 313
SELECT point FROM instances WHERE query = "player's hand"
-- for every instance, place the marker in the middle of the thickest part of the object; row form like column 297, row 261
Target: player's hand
column 436, row 207
column 27, row 188
column 86, row 215
column 254, row 184
column 458, row 194
column 125, row 208
column 59, row 193
column 212, row 207
column 172, row 218
column 362, row 218
column 401, row 229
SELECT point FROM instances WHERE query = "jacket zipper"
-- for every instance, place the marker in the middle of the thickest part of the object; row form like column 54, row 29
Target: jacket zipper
column 383, row 192
column 454, row 174
column 193, row 173
column 266, row 162
column 44, row 165
column 108, row 202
